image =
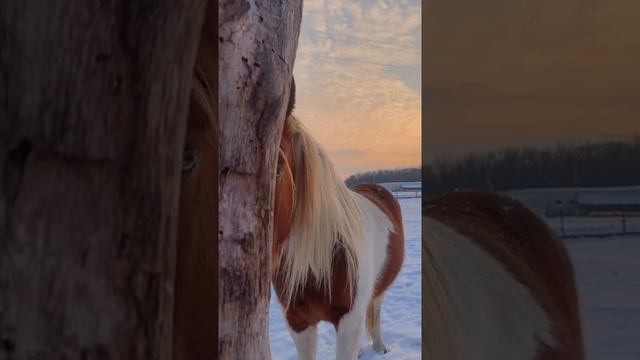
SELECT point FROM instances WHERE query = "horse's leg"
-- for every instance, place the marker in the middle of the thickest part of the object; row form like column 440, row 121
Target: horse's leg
column 373, row 323
column 349, row 329
column 306, row 342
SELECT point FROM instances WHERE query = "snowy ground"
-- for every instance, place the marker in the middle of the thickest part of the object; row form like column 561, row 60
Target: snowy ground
column 608, row 275
column 401, row 310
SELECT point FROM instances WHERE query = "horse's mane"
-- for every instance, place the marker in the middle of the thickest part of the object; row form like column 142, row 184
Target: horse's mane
column 326, row 219
column 438, row 307
column 203, row 115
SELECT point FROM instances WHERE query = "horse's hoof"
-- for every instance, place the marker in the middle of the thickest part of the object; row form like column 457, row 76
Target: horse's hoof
column 381, row 350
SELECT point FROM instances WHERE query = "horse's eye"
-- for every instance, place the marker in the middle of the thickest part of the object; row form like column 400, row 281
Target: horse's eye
column 278, row 174
column 189, row 160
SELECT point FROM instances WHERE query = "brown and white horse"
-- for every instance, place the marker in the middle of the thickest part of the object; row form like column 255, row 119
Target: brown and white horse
column 335, row 250
column 497, row 283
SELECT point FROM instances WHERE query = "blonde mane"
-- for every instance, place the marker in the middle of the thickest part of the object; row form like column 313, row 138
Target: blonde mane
column 326, row 218
column 438, row 303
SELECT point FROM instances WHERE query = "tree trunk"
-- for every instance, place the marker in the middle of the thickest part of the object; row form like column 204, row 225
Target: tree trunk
column 93, row 105
column 257, row 45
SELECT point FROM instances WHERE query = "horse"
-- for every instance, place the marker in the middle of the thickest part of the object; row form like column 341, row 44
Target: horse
column 497, row 282
column 195, row 318
column 335, row 250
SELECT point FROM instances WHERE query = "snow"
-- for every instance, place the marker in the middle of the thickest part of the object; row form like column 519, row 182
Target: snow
column 607, row 272
column 608, row 276
column 608, row 197
column 401, row 309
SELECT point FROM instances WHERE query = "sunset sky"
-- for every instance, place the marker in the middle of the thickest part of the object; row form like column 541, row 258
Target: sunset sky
column 358, row 81
column 533, row 72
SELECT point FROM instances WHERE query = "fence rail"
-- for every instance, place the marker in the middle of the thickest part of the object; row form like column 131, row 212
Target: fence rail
column 407, row 194
column 620, row 224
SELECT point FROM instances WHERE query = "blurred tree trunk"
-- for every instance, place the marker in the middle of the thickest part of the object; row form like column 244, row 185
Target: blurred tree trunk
column 257, row 46
column 93, row 104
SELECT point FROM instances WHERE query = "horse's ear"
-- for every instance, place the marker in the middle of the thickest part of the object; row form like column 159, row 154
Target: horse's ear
column 292, row 98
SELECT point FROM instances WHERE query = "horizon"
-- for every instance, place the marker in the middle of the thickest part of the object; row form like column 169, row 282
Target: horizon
column 550, row 145
column 540, row 147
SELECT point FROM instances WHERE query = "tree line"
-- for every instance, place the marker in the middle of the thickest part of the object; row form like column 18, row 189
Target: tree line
column 388, row 175
column 591, row 164
column 611, row 163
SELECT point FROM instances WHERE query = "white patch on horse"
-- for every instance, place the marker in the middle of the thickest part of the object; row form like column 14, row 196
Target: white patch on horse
column 306, row 342
column 476, row 309
column 376, row 229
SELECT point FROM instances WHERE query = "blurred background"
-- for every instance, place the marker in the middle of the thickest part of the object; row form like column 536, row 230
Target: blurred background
column 540, row 100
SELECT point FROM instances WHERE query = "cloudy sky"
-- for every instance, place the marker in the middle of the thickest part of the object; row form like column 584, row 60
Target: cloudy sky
column 358, row 81
column 534, row 72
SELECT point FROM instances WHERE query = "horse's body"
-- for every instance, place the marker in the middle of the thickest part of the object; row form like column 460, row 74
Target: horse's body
column 335, row 250
column 497, row 283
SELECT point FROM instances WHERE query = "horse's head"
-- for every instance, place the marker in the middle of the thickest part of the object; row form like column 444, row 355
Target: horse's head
column 285, row 181
column 195, row 320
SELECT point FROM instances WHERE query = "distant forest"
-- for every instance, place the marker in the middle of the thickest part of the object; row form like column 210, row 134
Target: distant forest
column 381, row 176
column 614, row 163
column 587, row 165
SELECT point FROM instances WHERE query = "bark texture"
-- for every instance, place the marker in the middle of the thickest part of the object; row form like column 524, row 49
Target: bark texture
column 93, row 104
column 257, row 45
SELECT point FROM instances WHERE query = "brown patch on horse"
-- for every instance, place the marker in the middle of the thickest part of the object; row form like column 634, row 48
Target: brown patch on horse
column 195, row 318
column 388, row 204
column 312, row 305
column 284, row 204
column 284, row 200
column 528, row 249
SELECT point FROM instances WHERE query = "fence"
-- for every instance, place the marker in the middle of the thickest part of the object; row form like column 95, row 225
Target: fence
column 407, row 194
column 613, row 224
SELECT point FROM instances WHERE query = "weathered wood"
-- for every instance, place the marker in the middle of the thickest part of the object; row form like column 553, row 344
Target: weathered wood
column 93, row 105
column 257, row 45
